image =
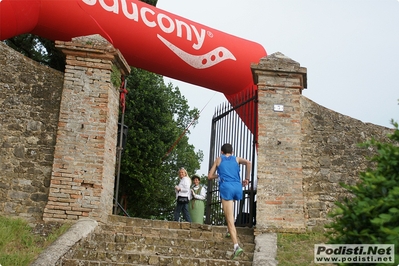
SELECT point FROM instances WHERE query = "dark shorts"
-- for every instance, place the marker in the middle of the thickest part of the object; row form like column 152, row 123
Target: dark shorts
column 230, row 190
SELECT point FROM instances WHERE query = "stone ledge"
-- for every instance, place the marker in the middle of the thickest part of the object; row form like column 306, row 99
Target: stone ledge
column 55, row 251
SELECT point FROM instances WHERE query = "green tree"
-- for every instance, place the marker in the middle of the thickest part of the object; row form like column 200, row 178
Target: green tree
column 157, row 145
column 371, row 216
column 38, row 49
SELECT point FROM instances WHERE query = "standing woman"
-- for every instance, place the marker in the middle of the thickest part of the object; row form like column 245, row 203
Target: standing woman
column 183, row 196
column 197, row 203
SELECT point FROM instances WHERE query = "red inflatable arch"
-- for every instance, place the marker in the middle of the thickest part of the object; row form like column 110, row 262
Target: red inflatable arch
column 148, row 37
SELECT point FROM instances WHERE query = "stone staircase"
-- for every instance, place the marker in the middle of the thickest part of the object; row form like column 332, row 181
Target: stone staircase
column 132, row 241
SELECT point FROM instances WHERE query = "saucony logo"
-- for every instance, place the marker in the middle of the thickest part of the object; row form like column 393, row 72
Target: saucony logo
column 207, row 60
column 153, row 18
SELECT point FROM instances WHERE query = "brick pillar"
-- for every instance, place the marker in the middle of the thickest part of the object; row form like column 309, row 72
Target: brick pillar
column 82, row 181
column 280, row 199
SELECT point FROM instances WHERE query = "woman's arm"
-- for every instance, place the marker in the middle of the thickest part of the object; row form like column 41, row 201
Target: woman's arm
column 202, row 194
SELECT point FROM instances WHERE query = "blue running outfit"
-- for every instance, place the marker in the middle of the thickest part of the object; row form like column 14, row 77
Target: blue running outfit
column 229, row 178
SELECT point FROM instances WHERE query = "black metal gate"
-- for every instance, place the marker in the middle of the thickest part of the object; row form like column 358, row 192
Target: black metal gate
column 235, row 122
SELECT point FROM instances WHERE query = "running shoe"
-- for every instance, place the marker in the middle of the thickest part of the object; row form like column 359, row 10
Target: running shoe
column 237, row 253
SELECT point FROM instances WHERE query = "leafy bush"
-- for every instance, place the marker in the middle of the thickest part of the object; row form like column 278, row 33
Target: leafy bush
column 372, row 215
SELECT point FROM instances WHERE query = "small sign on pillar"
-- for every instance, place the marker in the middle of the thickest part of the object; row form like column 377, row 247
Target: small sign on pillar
column 278, row 108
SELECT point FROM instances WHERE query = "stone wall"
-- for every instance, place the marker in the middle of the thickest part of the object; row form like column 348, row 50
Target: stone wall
column 331, row 155
column 58, row 134
column 30, row 96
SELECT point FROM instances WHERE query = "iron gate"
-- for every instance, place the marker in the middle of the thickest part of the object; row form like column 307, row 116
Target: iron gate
column 233, row 123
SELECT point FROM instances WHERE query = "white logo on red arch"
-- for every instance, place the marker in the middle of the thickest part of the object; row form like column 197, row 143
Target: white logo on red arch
column 207, row 60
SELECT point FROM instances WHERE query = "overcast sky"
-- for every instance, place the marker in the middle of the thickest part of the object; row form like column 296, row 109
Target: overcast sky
column 349, row 47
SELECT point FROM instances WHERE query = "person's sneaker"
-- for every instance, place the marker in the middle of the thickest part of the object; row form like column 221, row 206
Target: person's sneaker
column 237, row 253
column 227, row 235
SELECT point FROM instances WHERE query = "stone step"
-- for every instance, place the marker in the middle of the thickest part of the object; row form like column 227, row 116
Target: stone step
column 128, row 256
column 136, row 234
column 186, row 248
column 134, row 241
column 141, row 260
column 137, row 226
column 94, row 247
column 128, row 243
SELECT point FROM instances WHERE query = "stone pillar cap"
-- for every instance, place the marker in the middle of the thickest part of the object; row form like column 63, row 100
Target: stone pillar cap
column 278, row 62
column 98, row 47
column 95, row 40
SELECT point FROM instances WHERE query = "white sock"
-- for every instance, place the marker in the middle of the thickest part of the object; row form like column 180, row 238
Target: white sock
column 236, row 246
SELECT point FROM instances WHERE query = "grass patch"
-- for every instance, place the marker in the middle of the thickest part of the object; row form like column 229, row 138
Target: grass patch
column 298, row 249
column 20, row 245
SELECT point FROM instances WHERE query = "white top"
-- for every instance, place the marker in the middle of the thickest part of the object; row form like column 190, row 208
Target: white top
column 201, row 195
column 184, row 186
